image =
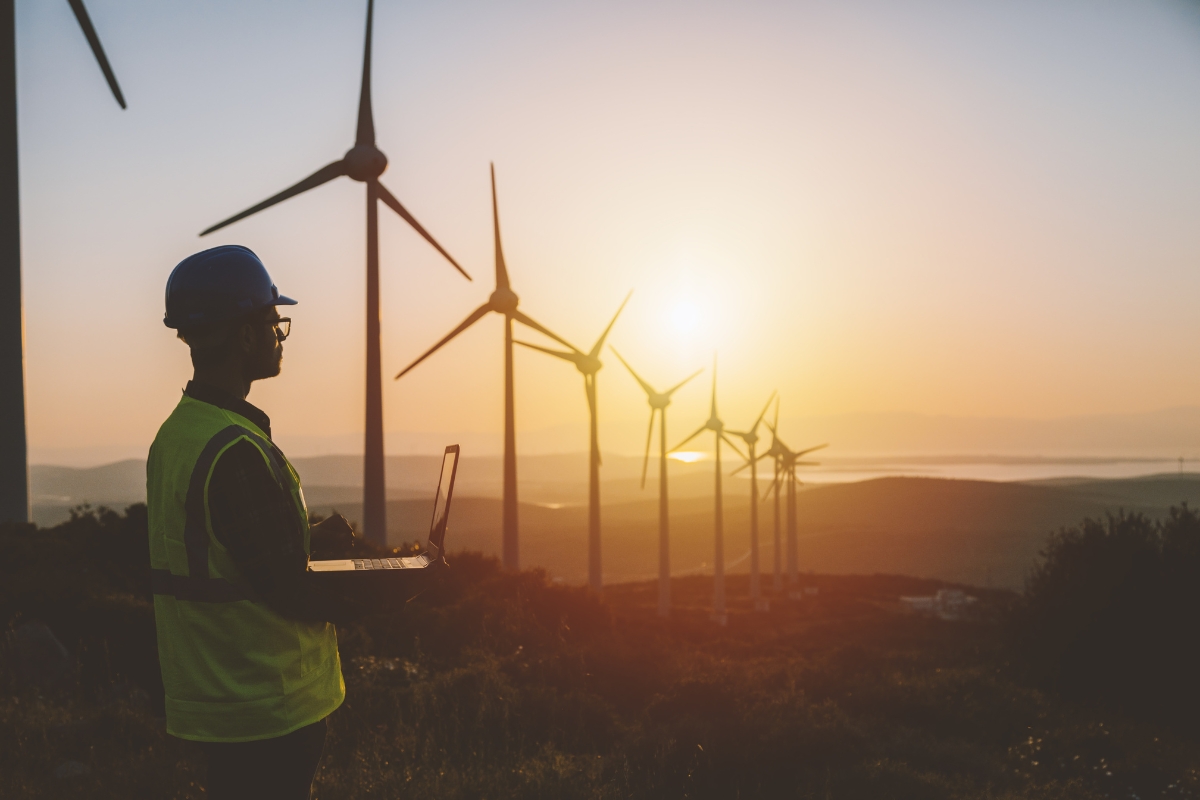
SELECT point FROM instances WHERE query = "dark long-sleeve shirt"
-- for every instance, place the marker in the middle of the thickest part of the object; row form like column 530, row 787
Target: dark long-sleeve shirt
column 256, row 520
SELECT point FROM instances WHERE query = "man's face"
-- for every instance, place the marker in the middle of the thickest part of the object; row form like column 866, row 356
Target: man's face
column 266, row 359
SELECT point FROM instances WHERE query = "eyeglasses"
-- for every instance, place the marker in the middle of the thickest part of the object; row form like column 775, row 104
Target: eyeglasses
column 283, row 327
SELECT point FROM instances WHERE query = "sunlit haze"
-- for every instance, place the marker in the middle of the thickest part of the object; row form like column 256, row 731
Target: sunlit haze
column 956, row 209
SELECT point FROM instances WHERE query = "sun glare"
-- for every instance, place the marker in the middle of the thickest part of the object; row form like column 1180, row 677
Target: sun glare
column 685, row 317
column 688, row 456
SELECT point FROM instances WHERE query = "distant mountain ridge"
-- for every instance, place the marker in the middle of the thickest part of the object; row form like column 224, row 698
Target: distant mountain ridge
column 1165, row 433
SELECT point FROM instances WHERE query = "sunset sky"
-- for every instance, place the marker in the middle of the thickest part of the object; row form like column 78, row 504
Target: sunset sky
column 977, row 209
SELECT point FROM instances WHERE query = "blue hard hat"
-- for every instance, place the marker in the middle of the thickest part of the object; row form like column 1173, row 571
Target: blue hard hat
column 219, row 283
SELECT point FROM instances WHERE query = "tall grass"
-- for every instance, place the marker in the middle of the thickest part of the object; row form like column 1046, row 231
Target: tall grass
column 502, row 685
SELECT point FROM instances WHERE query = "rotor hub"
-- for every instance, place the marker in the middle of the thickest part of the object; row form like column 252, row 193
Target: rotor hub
column 504, row 300
column 588, row 365
column 365, row 162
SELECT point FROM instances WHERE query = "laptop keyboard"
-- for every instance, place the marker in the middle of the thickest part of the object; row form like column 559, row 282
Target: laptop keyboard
column 377, row 563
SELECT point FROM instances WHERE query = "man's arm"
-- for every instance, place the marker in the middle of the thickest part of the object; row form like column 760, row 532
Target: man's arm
column 258, row 523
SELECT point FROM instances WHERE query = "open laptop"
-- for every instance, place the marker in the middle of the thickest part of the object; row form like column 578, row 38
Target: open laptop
column 435, row 549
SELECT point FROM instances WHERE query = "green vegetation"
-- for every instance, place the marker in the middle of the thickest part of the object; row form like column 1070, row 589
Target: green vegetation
column 508, row 685
column 1110, row 616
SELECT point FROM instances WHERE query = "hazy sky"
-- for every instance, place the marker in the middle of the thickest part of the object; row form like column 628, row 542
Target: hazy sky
column 966, row 208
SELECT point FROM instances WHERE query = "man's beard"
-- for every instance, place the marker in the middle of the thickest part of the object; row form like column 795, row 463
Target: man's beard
column 269, row 366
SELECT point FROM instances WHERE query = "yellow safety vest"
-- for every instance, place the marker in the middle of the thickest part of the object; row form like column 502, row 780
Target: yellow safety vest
column 233, row 669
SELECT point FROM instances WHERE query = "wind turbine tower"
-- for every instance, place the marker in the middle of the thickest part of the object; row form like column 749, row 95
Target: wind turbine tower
column 588, row 365
column 750, row 437
column 715, row 425
column 364, row 162
column 503, row 300
column 14, row 465
column 658, row 405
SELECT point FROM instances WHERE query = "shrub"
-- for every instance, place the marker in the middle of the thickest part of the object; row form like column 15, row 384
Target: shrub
column 1111, row 615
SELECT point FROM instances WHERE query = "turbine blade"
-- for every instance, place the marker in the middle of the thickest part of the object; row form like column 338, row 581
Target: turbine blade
column 756, row 460
column 466, row 323
column 89, row 33
column 391, row 202
column 812, row 450
column 501, row 269
column 679, row 385
column 649, row 436
column 565, row 356
column 524, row 320
column 733, row 446
column 771, row 488
column 758, row 421
column 699, row 431
column 647, row 388
column 323, row 175
column 366, row 120
column 775, row 425
column 595, row 351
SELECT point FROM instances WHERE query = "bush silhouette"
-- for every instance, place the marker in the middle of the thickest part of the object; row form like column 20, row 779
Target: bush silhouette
column 1111, row 615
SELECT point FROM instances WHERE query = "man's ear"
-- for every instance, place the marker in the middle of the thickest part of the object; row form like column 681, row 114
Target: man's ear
column 247, row 337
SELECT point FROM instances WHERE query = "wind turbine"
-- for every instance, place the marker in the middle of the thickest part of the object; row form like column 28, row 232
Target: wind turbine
column 14, row 467
column 715, row 425
column 363, row 162
column 502, row 301
column 588, row 365
column 786, row 462
column 658, row 405
column 750, row 437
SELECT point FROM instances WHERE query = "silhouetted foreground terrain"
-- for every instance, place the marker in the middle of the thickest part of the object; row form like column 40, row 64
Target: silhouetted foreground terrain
column 506, row 685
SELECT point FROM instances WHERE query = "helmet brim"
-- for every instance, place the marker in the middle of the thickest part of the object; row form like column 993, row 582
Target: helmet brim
column 285, row 301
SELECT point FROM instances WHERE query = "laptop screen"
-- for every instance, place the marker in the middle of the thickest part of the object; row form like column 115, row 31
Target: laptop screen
column 441, row 503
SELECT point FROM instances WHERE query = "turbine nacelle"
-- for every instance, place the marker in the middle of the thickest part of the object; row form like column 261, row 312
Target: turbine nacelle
column 365, row 162
column 715, row 424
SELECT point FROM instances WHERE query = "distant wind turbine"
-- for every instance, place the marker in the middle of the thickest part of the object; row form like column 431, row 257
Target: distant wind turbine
column 502, row 301
column 363, row 162
column 658, row 405
column 715, row 425
column 786, row 462
column 750, row 437
column 14, row 465
column 588, row 365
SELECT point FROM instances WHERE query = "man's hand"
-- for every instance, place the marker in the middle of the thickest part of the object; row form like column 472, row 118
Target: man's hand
column 331, row 537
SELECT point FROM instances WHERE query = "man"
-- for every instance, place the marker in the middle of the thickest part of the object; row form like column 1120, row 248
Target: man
column 248, row 651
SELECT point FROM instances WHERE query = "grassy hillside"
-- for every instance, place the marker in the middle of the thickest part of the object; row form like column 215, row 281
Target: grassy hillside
column 503, row 685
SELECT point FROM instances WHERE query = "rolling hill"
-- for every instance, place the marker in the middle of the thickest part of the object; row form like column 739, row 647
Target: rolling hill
column 977, row 532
